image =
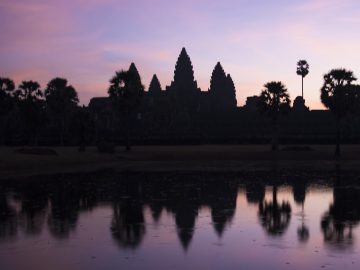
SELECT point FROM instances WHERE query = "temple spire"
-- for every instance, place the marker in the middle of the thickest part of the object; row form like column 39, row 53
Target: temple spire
column 231, row 92
column 155, row 86
column 184, row 73
column 218, row 80
column 133, row 70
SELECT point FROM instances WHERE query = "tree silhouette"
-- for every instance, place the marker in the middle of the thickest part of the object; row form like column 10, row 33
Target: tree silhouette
column 337, row 96
column 302, row 70
column 356, row 96
column 273, row 101
column 7, row 86
column 126, row 91
column 82, row 126
column 61, row 99
column 29, row 98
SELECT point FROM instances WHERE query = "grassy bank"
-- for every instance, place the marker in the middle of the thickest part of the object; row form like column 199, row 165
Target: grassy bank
column 177, row 158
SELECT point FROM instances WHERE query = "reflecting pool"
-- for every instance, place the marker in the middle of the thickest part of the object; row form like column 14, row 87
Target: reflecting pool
column 181, row 221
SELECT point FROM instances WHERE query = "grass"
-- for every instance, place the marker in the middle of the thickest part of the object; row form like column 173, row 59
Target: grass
column 176, row 158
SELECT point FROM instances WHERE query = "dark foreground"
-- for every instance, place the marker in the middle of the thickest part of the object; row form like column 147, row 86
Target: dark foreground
column 182, row 158
column 254, row 220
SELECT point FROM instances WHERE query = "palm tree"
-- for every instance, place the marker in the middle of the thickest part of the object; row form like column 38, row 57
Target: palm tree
column 7, row 86
column 273, row 101
column 126, row 91
column 61, row 99
column 302, row 70
column 31, row 104
column 337, row 95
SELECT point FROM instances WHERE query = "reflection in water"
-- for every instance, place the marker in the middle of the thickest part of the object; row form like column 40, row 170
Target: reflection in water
column 299, row 191
column 343, row 215
column 222, row 201
column 127, row 225
column 255, row 192
column 64, row 210
column 8, row 218
column 34, row 203
column 275, row 217
column 303, row 231
column 55, row 206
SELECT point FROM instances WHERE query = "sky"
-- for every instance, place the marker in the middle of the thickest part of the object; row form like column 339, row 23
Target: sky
column 256, row 41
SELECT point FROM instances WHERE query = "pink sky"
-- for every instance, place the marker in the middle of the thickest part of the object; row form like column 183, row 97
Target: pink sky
column 86, row 41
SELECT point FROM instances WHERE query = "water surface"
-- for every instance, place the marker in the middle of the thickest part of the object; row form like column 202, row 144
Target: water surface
column 181, row 221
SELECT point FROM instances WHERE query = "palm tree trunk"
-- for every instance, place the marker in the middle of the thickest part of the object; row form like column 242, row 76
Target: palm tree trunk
column 275, row 135
column 302, row 87
column 2, row 131
column 274, row 194
column 338, row 137
column 127, row 137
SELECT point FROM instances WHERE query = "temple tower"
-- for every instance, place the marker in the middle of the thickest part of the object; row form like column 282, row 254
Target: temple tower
column 184, row 88
column 222, row 89
column 155, row 86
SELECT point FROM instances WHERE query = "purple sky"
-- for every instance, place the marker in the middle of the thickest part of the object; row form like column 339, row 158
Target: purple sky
column 86, row 41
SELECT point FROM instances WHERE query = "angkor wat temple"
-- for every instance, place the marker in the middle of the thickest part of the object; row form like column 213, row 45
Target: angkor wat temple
column 182, row 113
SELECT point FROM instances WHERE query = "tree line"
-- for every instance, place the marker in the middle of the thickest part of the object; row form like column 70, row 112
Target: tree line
column 30, row 107
column 57, row 104
column 338, row 93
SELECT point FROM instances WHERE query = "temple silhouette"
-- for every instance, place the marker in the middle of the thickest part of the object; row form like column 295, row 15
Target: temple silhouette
column 183, row 113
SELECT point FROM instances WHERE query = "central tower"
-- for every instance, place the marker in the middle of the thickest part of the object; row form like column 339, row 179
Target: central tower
column 184, row 87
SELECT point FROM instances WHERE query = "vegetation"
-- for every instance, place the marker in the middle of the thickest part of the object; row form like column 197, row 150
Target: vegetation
column 7, row 86
column 274, row 100
column 126, row 91
column 29, row 99
column 180, row 114
column 61, row 100
column 337, row 95
column 302, row 70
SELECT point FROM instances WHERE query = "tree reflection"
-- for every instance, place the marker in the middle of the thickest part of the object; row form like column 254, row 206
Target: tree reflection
column 65, row 207
column 343, row 215
column 299, row 193
column 127, row 225
column 8, row 218
column 274, row 217
column 34, row 203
